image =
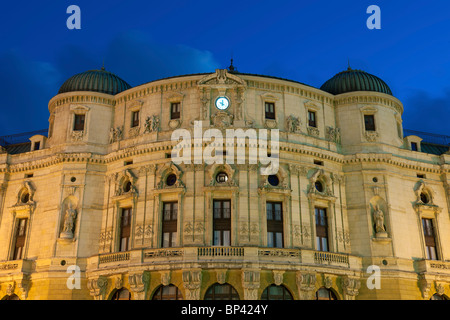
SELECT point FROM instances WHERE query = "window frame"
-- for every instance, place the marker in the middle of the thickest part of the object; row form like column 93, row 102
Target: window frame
column 125, row 229
column 430, row 240
column 369, row 125
column 20, row 237
column 275, row 224
column 322, row 232
column 221, row 224
column 212, row 295
column 269, row 115
column 312, row 118
column 79, row 125
column 169, row 226
column 160, row 295
column 135, row 118
column 175, row 115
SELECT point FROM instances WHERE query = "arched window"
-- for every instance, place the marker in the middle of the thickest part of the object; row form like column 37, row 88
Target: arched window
column 221, row 292
column 121, row 294
column 11, row 297
column 438, row 297
column 274, row 292
column 169, row 292
column 325, row 294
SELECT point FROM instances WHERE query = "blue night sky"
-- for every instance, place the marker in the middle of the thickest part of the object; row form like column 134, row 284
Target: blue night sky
column 306, row 41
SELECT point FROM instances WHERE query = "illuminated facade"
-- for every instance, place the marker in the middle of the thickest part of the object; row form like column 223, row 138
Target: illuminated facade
column 99, row 197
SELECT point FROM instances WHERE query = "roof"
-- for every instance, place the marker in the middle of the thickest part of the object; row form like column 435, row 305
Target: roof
column 352, row 80
column 95, row 80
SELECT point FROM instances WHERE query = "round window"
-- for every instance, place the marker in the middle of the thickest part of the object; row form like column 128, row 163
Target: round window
column 171, row 179
column 424, row 198
column 222, row 177
column 25, row 197
column 319, row 186
column 127, row 186
column 273, row 180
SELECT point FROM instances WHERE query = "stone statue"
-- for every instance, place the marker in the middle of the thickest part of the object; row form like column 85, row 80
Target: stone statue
column 378, row 215
column 69, row 220
column 293, row 124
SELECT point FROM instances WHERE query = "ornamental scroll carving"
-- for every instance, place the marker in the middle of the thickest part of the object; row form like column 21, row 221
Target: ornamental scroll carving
column 250, row 283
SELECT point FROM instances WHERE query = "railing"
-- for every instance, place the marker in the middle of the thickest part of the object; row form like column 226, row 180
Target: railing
column 433, row 266
column 429, row 137
column 321, row 257
column 20, row 137
column 114, row 257
column 163, row 253
column 231, row 254
column 220, row 251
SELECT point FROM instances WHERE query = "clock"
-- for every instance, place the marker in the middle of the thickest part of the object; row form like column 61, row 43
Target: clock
column 222, row 103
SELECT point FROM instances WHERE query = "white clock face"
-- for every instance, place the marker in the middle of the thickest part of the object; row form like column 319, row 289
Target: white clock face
column 222, row 103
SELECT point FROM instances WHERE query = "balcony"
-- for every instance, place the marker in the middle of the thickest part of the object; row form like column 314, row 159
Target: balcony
column 15, row 267
column 220, row 255
column 433, row 266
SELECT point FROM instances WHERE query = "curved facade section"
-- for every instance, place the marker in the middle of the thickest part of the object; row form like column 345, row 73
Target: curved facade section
column 106, row 196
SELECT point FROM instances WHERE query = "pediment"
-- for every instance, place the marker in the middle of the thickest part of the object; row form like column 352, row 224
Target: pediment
column 221, row 78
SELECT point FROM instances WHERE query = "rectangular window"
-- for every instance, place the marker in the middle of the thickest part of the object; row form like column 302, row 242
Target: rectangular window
column 274, row 211
column 78, row 124
column 430, row 240
column 321, row 229
column 270, row 110
column 125, row 226
column 369, row 122
column 312, row 119
column 135, row 119
column 37, row 145
column 20, row 236
column 414, row 146
column 222, row 222
column 175, row 110
column 169, row 224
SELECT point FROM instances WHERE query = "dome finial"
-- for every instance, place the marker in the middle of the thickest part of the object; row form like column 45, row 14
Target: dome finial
column 103, row 65
column 232, row 68
column 349, row 68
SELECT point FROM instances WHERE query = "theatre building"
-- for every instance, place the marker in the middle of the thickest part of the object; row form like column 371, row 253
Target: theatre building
column 95, row 207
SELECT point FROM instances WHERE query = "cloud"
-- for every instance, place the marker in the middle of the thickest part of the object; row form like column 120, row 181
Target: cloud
column 26, row 86
column 424, row 112
column 138, row 59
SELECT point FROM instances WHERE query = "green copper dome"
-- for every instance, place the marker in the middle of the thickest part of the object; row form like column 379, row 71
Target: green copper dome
column 355, row 80
column 95, row 80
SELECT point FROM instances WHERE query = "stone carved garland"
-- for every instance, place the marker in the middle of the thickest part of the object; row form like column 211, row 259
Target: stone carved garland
column 152, row 124
column 371, row 136
column 134, row 132
column 222, row 119
column 77, row 135
column 313, row 131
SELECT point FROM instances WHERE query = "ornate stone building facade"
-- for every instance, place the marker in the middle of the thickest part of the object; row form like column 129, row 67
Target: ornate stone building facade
column 97, row 209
